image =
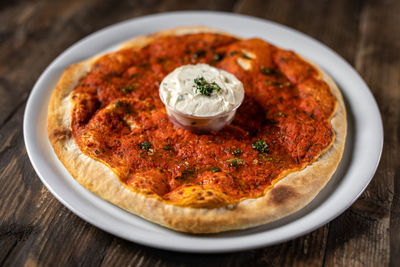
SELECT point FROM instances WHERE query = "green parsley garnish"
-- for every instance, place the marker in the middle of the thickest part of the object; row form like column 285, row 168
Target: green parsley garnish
column 237, row 152
column 145, row 145
column 215, row 169
column 261, row 146
column 231, row 54
column 267, row 71
column 167, row 147
column 127, row 89
column 117, row 103
column 235, row 162
column 205, row 88
column 218, row 57
column 199, row 53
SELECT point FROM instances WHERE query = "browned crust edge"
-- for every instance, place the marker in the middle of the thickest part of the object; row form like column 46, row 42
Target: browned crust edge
column 287, row 196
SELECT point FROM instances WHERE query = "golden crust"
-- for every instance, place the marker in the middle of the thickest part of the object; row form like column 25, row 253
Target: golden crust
column 142, row 41
column 287, row 196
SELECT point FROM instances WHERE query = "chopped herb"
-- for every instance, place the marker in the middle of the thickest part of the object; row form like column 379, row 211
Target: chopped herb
column 237, row 152
column 167, row 147
column 218, row 57
column 205, row 88
column 215, row 169
column 270, row 159
column 233, row 53
column 199, row 53
column 127, row 89
column 118, row 103
column 145, row 145
column 261, row 146
column 117, row 141
column 235, row 162
column 267, row 71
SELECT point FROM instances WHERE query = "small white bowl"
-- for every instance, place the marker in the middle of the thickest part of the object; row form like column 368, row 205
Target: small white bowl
column 201, row 124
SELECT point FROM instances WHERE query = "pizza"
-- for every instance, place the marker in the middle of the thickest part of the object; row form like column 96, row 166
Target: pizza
column 109, row 128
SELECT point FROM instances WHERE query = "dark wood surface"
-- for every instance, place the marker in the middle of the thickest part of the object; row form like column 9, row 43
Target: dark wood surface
column 36, row 229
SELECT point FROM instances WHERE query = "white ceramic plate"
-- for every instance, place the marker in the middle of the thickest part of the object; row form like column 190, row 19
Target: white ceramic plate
column 361, row 157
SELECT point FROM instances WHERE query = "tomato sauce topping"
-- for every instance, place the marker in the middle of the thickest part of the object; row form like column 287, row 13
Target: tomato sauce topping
column 282, row 126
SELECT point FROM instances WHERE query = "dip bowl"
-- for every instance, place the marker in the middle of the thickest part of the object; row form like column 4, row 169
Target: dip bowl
column 201, row 124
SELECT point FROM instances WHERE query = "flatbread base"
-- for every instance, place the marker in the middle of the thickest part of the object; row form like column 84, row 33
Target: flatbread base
column 287, row 196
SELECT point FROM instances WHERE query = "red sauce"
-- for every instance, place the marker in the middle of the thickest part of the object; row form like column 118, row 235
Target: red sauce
column 119, row 119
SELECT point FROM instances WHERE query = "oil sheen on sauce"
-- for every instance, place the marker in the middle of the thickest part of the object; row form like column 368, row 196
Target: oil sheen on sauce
column 282, row 125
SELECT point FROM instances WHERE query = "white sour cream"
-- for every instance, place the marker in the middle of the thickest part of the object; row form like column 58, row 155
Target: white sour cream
column 178, row 90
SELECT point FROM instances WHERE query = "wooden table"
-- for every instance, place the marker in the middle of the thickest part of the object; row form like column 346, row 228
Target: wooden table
column 36, row 229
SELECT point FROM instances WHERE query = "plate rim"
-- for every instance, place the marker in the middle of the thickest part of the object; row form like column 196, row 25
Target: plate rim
column 185, row 248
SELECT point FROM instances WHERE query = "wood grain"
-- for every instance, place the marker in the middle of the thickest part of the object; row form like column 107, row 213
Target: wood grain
column 35, row 229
